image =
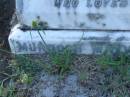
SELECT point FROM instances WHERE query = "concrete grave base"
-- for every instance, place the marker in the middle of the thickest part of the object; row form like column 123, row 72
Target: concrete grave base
column 83, row 42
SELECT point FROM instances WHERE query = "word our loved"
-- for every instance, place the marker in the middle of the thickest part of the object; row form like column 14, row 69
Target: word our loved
column 91, row 3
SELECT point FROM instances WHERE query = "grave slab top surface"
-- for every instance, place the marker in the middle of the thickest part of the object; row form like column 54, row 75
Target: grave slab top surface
column 76, row 14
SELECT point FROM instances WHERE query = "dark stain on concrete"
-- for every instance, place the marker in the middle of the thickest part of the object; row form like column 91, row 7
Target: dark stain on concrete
column 82, row 24
column 103, row 24
column 75, row 13
column 95, row 16
column 59, row 13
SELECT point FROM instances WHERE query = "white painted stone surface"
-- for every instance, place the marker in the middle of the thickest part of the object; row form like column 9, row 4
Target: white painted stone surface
column 77, row 14
column 92, row 42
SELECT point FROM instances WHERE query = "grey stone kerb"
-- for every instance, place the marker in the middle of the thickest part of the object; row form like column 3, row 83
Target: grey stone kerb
column 92, row 42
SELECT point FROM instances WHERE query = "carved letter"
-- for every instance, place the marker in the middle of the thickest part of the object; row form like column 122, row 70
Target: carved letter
column 98, row 3
column 123, row 3
column 67, row 3
column 32, row 46
column 21, row 46
column 75, row 3
column 40, row 46
column 114, row 3
column 58, row 3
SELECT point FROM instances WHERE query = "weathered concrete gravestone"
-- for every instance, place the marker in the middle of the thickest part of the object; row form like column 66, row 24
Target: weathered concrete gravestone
column 77, row 14
column 97, row 22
